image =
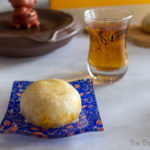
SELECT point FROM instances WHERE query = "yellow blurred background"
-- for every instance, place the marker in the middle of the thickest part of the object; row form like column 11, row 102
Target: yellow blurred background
column 63, row 4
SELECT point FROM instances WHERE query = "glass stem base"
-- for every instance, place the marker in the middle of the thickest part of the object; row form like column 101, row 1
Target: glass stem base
column 106, row 77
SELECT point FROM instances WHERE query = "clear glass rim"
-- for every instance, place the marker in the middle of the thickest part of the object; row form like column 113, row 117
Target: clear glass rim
column 87, row 11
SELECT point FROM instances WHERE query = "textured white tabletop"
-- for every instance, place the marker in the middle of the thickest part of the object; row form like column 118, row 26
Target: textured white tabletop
column 124, row 105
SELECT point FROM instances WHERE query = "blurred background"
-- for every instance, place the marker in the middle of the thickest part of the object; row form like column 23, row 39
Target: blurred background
column 5, row 5
column 139, row 7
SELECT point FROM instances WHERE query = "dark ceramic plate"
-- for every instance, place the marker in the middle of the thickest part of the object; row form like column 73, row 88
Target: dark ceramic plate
column 56, row 29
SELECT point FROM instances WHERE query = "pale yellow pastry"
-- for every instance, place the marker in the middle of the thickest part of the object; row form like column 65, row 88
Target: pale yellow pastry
column 50, row 103
column 146, row 23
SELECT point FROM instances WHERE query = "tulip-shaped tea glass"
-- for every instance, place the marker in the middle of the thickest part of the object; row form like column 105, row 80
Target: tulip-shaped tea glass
column 107, row 27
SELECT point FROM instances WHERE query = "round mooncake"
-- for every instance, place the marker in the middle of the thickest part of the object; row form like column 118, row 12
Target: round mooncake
column 50, row 103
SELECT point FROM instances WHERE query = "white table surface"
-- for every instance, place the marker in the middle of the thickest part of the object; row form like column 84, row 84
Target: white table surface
column 124, row 106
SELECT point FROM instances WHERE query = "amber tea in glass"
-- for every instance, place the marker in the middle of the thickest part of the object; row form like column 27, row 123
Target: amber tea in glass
column 107, row 60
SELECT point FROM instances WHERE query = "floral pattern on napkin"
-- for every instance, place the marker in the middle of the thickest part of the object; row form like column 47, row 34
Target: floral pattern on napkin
column 89, row 118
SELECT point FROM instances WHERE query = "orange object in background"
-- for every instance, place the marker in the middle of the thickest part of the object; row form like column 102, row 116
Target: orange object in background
column 62, row 4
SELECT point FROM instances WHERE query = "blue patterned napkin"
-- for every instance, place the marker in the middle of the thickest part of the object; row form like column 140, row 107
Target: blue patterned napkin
column 89, row 119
